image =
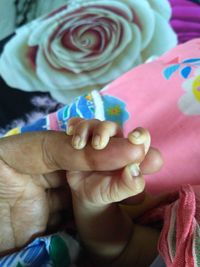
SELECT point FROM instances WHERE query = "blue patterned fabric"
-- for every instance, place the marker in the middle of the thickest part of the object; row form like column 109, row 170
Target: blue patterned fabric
column 59, row 250
column 185, row 68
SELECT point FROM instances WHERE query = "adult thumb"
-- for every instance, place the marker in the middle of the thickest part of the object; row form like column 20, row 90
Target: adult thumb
column 43, row 152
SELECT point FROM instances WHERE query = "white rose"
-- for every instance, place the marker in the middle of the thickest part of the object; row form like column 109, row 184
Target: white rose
column 86, row 45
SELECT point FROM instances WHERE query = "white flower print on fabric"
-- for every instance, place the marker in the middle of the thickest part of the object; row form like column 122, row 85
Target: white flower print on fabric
column 189, row 103
column 85, row 45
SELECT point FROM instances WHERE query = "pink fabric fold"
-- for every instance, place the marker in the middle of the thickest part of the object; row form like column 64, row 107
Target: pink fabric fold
column 179, row 242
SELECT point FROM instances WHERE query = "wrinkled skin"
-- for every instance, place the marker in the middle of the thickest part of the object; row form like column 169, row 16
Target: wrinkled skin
column 33, row 187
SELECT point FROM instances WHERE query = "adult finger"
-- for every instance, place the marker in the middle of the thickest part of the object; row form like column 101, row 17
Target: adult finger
column 153, row 162
column 43, row 152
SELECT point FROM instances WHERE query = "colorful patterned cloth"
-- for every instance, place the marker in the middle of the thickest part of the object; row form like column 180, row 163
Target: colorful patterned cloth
column 88, row 106
column 59, row 250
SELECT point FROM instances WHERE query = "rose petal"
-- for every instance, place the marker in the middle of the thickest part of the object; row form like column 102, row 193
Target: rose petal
column 160, row 42
column 162, row 7
column 144, row 18
column 63, row 97
column 14, row 63
column 94, row 62
column 124, row 63
column 41, row 28
column 60, row 80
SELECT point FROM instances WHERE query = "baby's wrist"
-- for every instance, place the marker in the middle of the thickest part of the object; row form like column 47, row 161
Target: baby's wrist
column 87, row 205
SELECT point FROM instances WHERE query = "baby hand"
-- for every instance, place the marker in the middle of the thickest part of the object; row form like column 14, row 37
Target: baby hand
column 99, row 188
column 99, row 132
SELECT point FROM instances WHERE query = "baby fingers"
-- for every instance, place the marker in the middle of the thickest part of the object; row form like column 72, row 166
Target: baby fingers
column 98, row 132
column 132, row 182
column 140, row 136
column 102, row 133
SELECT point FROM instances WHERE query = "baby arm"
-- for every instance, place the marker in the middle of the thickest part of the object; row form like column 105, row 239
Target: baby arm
column 106, row 231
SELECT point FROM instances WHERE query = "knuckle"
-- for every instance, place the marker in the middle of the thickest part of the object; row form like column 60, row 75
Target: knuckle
column 73, row 120
column 48, row 160
column 106, row 127
column 83, row 125
column 110, row 125
column 87, row 125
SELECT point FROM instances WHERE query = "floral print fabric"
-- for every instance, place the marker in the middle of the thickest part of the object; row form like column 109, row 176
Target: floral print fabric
column 85, row 45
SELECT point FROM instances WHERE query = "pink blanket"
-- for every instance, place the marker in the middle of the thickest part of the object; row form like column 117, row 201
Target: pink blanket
column 179, row 242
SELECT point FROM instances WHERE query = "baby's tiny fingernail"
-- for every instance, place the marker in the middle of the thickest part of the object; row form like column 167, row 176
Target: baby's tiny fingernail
column 96, row 141
column 76, row 142
column 70, row 130
column 137, row 137
column 136, row 134
column 140, row 136
column 134, row 170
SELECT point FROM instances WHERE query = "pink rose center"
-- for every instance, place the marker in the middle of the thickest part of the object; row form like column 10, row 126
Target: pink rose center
column 31, row 56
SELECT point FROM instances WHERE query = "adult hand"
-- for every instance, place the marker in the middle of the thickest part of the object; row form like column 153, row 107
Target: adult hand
column 33, row 191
